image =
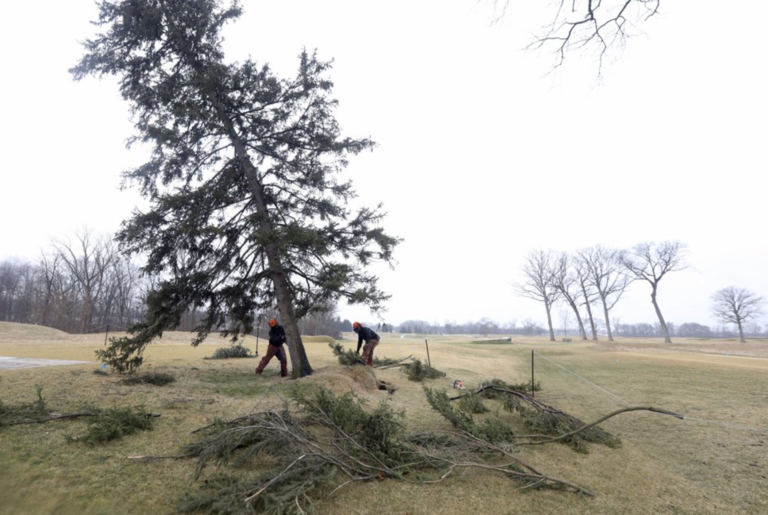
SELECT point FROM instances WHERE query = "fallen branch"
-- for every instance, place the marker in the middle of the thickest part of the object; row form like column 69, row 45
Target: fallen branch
column 542, row 478
column 537, row 478
column 252, row 497
column 151, row 458
column 331, row 436
column 399, row 363
column 539, row 439
column 54, row 416
column 551, row 439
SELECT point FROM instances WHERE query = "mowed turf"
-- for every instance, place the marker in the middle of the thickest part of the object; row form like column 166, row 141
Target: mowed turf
column 714, row 461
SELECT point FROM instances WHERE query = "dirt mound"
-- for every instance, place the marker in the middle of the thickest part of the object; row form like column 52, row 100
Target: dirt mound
column 340, row 379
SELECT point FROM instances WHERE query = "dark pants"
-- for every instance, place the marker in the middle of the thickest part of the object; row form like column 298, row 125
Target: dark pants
column 368, row 351
column 274, row 350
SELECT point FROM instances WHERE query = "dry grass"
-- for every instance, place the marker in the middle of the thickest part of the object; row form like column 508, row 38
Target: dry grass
column 664, row 465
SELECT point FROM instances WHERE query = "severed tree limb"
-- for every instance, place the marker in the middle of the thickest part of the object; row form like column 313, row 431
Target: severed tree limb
column 252, row 497
column 341, row 446
column 399, row 363
column 229, row 422
column 54, row 416
column 550, row 439
column 65, row 416
column 151, row 458
column 542, row 477
column 345, row 483
column 519, row 475
column 515, row 393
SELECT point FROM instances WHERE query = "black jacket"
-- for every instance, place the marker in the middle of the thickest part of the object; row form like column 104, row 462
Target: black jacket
column 365, row 334
column 276, row 335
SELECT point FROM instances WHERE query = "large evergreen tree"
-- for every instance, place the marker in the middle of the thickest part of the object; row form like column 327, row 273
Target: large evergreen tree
column 246, row 208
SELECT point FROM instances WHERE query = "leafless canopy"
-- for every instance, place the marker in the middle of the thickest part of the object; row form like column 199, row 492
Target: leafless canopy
column 538, row 284
column 734, row 305
column 587, row 24
column 566, row 281
column 651, row 262
column 607, row 277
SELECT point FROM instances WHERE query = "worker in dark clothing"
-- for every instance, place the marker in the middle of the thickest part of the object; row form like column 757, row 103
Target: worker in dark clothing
column 275, row 348
column 371, row 340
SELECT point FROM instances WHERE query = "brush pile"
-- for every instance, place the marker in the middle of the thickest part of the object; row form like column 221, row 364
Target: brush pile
column 315, row 444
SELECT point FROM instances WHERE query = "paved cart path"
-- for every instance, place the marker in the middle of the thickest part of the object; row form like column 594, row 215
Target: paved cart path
column 10, row 363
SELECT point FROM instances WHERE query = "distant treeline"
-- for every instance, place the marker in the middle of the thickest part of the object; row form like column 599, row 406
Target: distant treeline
column 84, row 284
column 529, row 327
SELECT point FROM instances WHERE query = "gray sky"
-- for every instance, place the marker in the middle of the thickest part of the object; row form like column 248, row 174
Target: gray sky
column 483, row 155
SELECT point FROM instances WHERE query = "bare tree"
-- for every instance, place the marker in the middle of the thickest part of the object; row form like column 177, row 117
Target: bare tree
column 567, row 283
column 584, row 25
column 650, row 262
column 48, row 271
column 538, row 284
column 88, row 259
column 737, row 306
column 587, row 291
column 531, row 328
column 607, row 276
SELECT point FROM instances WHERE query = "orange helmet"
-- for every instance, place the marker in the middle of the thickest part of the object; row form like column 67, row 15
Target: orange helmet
column 356, row 326
column 272, row 322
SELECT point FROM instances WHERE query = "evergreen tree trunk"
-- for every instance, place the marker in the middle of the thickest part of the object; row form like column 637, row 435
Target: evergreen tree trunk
column 300, row 366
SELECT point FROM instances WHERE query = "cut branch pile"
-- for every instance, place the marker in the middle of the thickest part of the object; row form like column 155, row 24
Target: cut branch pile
column 310, row 453
column 418, row 371
column 349, row 357
column 413, row 368
column 547, row 424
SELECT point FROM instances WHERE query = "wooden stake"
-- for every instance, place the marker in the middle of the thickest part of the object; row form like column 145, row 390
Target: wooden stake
column 532, row 377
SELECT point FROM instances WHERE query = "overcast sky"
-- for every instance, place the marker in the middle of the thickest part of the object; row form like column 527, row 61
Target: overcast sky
column 482, row 154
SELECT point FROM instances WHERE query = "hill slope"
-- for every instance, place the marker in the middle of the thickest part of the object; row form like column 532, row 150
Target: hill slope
column 12, row 330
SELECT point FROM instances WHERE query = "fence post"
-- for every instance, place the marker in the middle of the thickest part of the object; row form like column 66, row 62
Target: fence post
column 258, row 326
column 429, row 363
column 533, row 383
column 106, row 335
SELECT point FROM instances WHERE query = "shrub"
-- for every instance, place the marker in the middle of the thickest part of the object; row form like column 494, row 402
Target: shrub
column 155, row 378
column 418, row 371
column 235, row 351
